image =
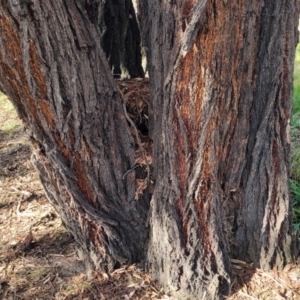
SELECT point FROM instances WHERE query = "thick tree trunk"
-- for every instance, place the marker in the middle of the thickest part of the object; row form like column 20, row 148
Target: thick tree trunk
column 120, row 36
column 55, row 73
column 221, row 78
column 221, row 84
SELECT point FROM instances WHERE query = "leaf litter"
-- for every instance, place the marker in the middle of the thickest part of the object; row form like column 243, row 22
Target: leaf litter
column 38, row 257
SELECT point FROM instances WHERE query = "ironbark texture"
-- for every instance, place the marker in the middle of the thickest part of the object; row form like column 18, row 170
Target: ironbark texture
column 55, row 73
column 221, row 86
column 120, row 35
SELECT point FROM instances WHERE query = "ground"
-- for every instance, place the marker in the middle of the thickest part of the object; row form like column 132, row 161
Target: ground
column 38, row 256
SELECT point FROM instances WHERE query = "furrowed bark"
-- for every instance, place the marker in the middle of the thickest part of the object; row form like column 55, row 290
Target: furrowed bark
column 54, row 72
column 221, row 84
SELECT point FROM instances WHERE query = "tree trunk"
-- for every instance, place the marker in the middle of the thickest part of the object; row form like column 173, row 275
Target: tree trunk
column 54, row 71
column 120, row 36
column 221, row 83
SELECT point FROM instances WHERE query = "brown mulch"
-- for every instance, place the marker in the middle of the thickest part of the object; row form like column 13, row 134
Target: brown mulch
column 38, row 257
column 252, row 283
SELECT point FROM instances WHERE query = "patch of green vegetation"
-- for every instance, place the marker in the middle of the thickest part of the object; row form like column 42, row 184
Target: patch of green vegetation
column 37, row 273
column 295, row 161
column 295, row 191
column 296, row 98
column 72, row 289
column 295, row 155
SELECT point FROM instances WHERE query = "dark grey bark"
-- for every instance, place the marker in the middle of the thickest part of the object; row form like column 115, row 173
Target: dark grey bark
column 120, row 36
column 54, row 71
column 221, row 83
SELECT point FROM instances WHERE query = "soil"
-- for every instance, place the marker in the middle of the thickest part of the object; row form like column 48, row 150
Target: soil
column 38, row 257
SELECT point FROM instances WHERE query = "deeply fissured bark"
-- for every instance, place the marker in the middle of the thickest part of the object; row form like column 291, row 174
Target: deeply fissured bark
column 221, row 78
column 54, row 71
column 221, row 84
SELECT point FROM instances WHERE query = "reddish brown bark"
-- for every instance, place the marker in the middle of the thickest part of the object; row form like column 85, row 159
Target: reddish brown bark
column 54, row 72
column 221, row 82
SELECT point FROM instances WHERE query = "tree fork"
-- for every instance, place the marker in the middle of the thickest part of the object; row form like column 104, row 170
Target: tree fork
column 221, row 87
